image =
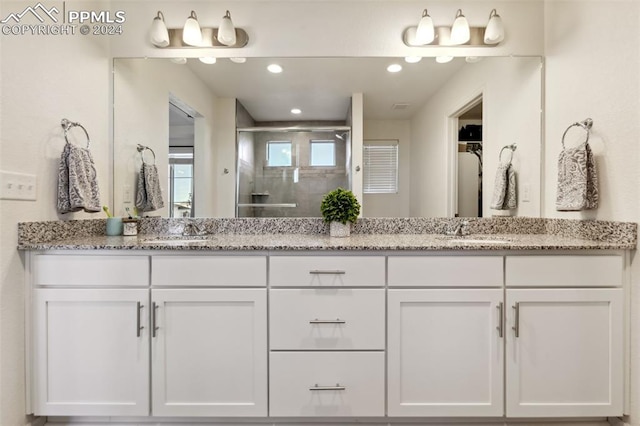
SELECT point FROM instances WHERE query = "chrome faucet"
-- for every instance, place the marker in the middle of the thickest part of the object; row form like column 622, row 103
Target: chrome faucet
column 460, row 230
column 193, row 228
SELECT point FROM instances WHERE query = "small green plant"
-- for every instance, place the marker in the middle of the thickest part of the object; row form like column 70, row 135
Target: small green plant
column 340, row 205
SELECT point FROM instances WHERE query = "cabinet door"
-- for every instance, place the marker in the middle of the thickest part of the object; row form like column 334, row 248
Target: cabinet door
column 445, row 353
column 209, row 352
column 91, row 352
column 564, row 353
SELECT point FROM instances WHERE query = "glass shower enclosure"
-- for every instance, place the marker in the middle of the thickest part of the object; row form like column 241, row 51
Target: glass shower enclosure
column 285, row 171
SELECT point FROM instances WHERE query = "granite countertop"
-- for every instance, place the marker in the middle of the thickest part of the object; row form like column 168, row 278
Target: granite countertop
column 311, row 234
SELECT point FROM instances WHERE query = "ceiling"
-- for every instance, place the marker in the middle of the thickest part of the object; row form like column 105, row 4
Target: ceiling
column 322, row 87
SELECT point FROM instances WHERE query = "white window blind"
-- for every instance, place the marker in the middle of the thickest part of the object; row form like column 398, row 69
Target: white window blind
column 380, row 168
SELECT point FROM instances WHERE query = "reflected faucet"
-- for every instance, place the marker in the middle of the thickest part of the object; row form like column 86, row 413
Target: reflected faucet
column 460, row 230
column 193, row 228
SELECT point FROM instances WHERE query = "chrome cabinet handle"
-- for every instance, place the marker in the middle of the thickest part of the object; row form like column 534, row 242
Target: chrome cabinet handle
column 337, row 387
column 516, row 326
column 154, row 320
column 139, row 327
column 335, row 321
column 326, row 272
column 500, row 326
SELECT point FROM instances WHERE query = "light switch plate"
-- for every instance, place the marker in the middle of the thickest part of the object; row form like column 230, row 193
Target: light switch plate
column 17, row 186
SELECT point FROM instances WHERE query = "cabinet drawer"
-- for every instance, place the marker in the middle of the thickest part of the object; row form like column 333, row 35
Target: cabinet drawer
column 326, row 384
column 564, row 271
column 327, row 271
column 90, row 270
column 224, row 271
column 462, row 271
column 327, row 318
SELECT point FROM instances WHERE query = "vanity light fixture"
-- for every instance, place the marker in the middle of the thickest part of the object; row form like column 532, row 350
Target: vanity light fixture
column 296, row 111
column 412, row 59
column 238, row 60
column 191, row 33
column 460, row 32
column 425, row 32
column 394, row 68
column 179, row 61
column 227, row 32
column 159, row 34
column 274, row 68
column 209, row 60
column 494, row 33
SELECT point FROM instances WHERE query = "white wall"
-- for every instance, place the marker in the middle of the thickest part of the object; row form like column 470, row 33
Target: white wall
column 511, row 89
column 43, row 79
column 593, row 70
column 390, row 205
column 142, row 88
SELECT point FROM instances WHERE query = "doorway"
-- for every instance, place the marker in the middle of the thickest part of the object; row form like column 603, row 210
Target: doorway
column 469, row 159
column 181, row 162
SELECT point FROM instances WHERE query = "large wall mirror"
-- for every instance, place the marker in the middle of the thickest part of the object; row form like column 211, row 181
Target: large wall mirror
column 439, row 126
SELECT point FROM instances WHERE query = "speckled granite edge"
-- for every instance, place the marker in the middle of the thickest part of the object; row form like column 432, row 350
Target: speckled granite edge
column 624, row 233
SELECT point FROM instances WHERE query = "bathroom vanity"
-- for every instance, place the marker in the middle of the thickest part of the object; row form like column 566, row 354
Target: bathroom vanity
column 307, row 327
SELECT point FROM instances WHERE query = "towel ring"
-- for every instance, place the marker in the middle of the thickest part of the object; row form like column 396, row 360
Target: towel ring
column 141, row 149
column 586, row 126
column 511, row 148
column 67, row 125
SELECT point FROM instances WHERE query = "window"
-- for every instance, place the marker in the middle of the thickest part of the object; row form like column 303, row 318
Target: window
column 278, row 154
column 323, row 154
column 180, row 182
column 380, row 167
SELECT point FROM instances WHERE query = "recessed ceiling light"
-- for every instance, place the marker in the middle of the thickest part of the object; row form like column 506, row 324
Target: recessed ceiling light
column 275, row 68
column 209, row 60
column 238, row 60
column 444, row 59
column 296, row 111
column 412, row 59
column 394, row 68
column 179, row 61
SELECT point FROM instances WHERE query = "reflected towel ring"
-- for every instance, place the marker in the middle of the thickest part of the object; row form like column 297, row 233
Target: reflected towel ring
column 141, row 149
column 586, row 126
column 511, row 148
column 67, row 125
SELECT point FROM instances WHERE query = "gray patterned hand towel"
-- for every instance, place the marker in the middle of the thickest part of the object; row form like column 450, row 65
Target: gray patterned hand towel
column 149, row 195
column 77, row 181
column 577, row 179
column 504, row 189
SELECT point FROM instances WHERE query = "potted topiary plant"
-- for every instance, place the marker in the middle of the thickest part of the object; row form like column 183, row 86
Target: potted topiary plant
column 340, row 208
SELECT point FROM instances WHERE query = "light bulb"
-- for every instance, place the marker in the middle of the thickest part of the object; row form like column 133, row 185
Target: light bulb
column 460, row 33
column 444, row 59
column 227, row 32
column 394, row 68
column 494, row 33
column 275, row 68
column 159, row 35
column 425, row 32
column 191, row 33
column 412, row 59
column 296, row 111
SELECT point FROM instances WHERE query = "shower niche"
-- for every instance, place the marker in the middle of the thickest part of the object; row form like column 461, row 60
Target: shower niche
column 284, row 169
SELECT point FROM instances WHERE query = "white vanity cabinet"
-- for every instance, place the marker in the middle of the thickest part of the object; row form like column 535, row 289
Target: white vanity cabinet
column 208, row 354
column 89, row 336
column 445, row 344
column 564, row 347
column 91, row 352
column 327, row 336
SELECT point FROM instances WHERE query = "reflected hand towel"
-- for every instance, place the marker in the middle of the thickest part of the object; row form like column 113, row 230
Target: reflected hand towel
column 504, row 189
column 149, row 194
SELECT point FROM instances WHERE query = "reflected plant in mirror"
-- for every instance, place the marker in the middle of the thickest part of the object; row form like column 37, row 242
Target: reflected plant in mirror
column 235, row 170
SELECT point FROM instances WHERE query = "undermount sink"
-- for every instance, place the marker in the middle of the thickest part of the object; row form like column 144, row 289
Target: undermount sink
column 475, row 239
column 176, row 240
